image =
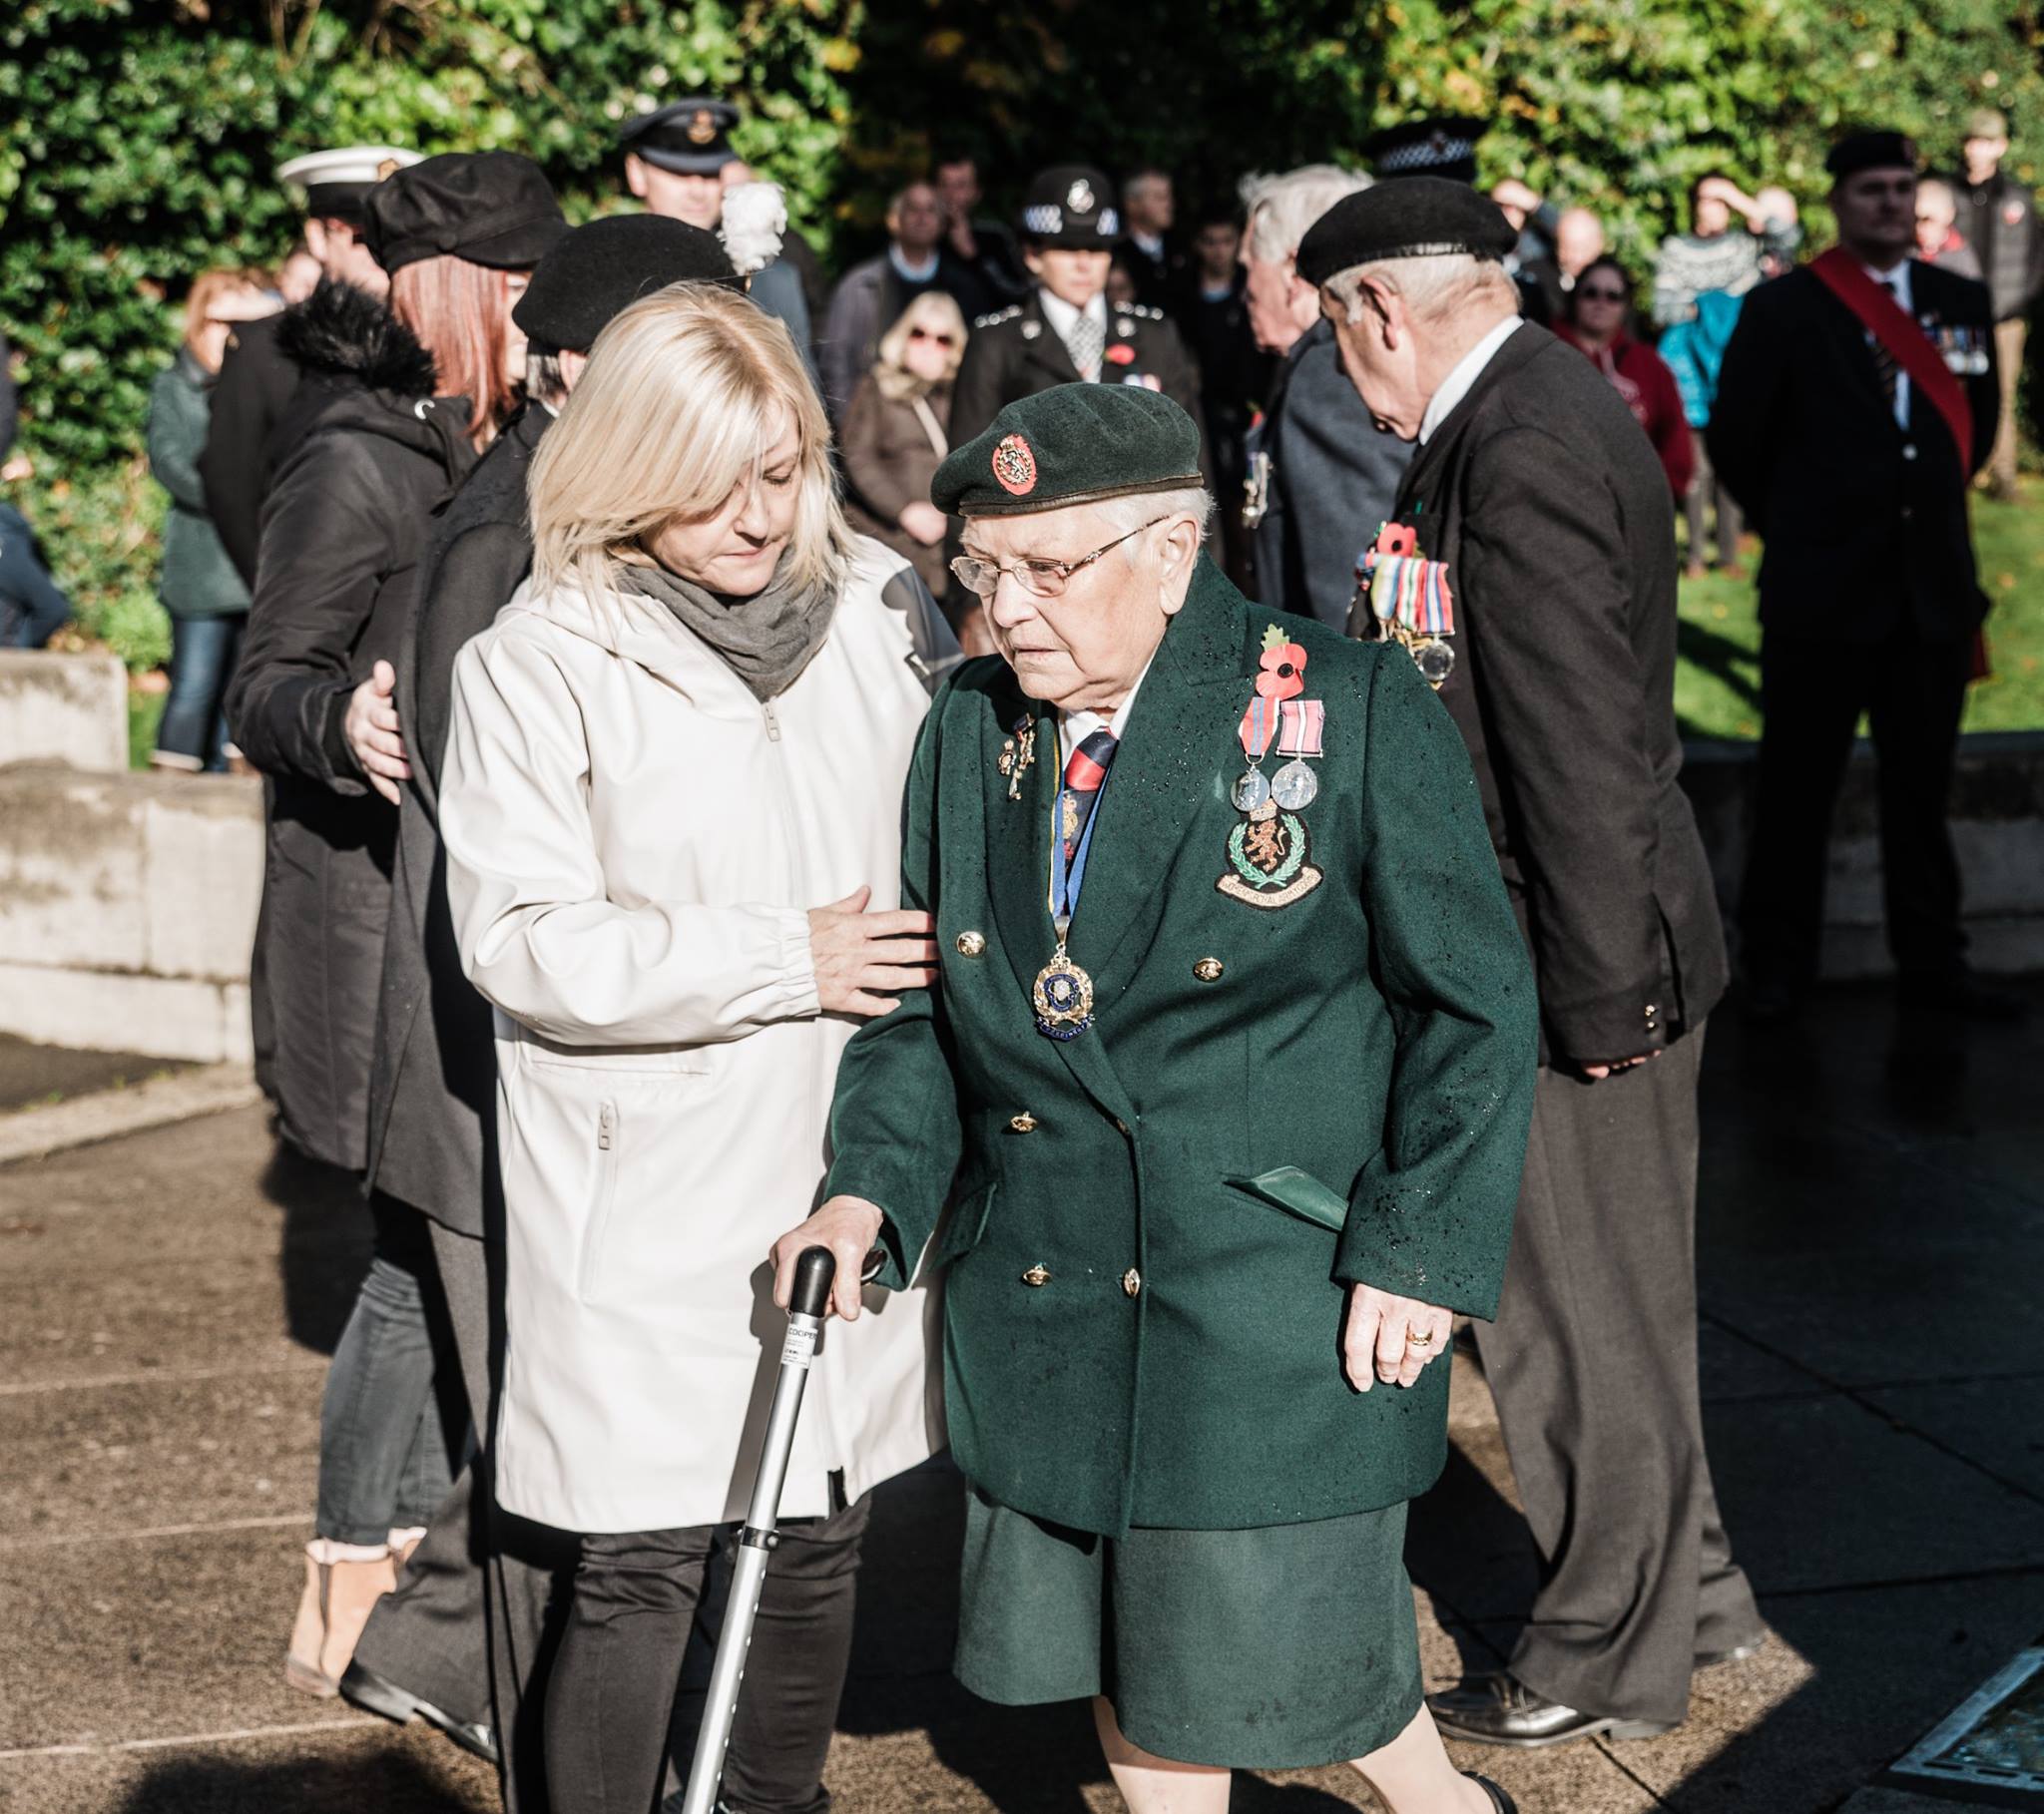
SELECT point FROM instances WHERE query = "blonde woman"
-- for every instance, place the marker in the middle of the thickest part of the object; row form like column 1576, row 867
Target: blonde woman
column 671, row 808
column 896, row 431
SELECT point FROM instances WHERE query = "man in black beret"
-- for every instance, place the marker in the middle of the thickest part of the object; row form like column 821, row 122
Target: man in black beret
column 1068, row 330
column 1857, row 397
column 1530, row 568
column 1231, row 1064
column 434, row 1078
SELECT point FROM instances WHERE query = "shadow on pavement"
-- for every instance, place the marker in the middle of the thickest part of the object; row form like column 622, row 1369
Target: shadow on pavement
column 385, row 1781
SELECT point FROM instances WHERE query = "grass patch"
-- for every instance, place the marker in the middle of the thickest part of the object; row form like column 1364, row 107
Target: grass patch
column 1718, row 679
column 145, row 713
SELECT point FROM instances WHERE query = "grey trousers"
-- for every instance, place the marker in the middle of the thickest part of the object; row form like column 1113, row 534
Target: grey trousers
column 1593, row 1363
column 466, row 1625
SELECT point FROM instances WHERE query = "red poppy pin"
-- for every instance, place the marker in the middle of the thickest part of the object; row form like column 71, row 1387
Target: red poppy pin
column 1398, row 539
column 1121, row 353
column 1014, row 466
column 1283, row 667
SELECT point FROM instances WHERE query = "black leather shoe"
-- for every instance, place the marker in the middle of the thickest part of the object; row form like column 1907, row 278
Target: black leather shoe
column 1502, row 1802
column 1710, row 1659
column 377, row 1695
column 1501, row 1710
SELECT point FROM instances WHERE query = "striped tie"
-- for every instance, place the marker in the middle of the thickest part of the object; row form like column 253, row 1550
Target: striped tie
column 1885, row 361
column 1083, row 775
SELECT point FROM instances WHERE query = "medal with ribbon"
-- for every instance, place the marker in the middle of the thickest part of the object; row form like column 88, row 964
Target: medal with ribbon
column 1268, row 853
column 1063, row 994
column 1409, row 600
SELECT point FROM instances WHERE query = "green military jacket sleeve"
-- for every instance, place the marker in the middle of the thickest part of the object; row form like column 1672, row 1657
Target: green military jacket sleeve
column 1311, row 1064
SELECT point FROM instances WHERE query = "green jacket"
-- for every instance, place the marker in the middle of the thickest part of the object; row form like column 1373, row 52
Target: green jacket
column 199, row 581
column 1201, row 1171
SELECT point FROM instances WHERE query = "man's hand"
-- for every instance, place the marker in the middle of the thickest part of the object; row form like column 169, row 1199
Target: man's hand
column 373, row 734
column 848, row 1227
column 856, row 953
column 1611, row 1068
column 18, row 468
column 1379, row 1341
column 924, row 521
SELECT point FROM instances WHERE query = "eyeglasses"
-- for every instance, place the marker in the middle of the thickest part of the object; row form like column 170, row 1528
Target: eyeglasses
column 923, row 333
column 1600, row 295
column 1039, row 578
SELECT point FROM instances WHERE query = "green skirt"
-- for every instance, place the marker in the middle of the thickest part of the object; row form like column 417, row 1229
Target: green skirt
column 1280, row 1647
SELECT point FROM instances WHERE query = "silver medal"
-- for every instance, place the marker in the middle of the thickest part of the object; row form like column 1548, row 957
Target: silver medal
column 1295, row 786
column 1436, row 660
column 1251, row 790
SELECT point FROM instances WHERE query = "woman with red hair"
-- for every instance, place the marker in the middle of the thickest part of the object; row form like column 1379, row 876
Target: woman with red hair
column 396, row 399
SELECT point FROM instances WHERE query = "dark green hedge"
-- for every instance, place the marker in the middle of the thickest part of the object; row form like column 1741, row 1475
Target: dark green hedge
column 137, row 136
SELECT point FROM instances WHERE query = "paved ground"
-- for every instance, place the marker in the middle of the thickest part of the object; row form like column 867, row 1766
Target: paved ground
column 1872, row 1252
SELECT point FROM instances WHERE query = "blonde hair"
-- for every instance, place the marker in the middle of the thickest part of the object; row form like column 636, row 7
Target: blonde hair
column 685, row 395
column 934, row 309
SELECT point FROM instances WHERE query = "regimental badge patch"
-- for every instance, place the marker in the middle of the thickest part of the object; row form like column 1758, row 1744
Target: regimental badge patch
column 1269, row 859
column 1014, row 466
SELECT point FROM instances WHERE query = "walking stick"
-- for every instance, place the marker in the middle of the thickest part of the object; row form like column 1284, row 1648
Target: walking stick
column 814, row 1273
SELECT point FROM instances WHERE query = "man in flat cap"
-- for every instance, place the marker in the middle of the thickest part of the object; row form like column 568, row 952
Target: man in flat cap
column 457, row 1641
column 1857, row 397
column 1068, row 330
column 1997, row 219
column 680, row 162
column 1530, row 571
column 1232, row 1063
column 1321, row 475
column 256, row 381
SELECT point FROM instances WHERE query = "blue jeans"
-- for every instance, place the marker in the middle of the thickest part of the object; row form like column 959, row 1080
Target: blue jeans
column 31, row 606
column 203, row 654
column 384, row 1460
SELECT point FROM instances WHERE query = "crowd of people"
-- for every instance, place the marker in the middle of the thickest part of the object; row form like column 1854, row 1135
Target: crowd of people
column 581, row 596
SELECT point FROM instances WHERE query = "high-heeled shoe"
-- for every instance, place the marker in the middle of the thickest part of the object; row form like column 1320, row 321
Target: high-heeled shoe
column 1502, row 1802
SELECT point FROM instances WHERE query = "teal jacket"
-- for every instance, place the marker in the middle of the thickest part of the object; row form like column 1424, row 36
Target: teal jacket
column 199, row 581
column 1150, row 1226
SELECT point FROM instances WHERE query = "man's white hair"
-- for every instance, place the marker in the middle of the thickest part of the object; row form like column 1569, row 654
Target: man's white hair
column 1435, row 289
column 1280, row 208
column 1125, row 514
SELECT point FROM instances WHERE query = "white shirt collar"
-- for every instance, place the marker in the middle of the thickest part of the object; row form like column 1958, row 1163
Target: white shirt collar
column 1152, row 245
column 1456, row 385
column 911, row 273
column 1076, row 726
column 1896, row 279
column 1062, row 316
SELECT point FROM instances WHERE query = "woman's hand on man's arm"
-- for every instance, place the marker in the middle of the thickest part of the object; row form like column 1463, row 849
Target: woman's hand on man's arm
column 861, row 958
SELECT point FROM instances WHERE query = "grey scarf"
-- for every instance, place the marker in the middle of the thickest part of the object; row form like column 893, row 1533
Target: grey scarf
column 765, row 639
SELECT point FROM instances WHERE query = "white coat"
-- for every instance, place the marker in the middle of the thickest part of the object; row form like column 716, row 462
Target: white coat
column 632, row 845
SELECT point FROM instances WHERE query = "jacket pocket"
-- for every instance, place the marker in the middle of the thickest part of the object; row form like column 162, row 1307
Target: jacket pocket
column 607, row 1140
column 964, row 1226
column 1298, row 1194
column 617, row 1060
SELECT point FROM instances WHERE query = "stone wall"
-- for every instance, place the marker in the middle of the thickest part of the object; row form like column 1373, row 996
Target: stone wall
column 128, row 909
column 63, row 709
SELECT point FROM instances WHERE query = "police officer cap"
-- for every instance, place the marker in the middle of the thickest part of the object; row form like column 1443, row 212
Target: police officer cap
column 1443, row 144
column 1075, row 444
column 1071, row 206
column 1871, row 150
column 1420, row 218
column 691, row 137
column 336, row 182
column 596, row 270
column 490, row 207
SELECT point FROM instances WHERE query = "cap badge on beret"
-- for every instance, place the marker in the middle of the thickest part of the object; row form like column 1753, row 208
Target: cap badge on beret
column 1078, row 198
column 1014, row 466
column 702, row 126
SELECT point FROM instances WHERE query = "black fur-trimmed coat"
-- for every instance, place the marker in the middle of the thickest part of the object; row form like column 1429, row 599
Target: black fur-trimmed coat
column 363, row 454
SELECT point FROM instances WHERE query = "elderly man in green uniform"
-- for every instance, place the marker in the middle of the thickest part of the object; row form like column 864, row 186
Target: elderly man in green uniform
column 1226, row 1088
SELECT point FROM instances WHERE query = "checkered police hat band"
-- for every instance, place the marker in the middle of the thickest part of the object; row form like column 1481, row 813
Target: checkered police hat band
column 1425, row 154
column 1043, row 217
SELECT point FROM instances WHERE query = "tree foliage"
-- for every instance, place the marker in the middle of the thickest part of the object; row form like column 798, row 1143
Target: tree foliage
column 138, row 137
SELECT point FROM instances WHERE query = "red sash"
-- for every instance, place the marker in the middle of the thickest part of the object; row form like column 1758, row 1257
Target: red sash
column 1886, row 319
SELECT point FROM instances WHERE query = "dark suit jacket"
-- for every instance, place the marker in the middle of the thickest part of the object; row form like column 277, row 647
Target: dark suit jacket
column 1333, row 477
column 1865, row 524
column 432, row 1085
column 1199, row 1172
column 1550, row 507
column 1017, row 353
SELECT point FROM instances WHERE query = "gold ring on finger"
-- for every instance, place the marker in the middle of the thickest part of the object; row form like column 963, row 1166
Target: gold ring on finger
column 1419, row 1341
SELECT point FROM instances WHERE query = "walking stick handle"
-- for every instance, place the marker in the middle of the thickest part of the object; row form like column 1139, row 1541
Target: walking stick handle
column 813, row 1274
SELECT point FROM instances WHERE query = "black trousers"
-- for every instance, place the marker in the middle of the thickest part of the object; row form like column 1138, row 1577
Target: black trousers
column 613, row 1683
column 1593, row 1363
column 1812, row 695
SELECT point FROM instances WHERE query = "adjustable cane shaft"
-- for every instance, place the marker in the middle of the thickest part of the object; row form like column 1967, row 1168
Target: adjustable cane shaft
column 814, row 1273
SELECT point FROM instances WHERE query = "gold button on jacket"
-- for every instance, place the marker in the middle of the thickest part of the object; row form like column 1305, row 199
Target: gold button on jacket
column 1132, row 1281
column 1038, row 1274
column 1025, row 1122
column 970, row 944
column 1209, row 970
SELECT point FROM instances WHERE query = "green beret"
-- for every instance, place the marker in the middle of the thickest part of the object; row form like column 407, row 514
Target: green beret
column 1076, row 444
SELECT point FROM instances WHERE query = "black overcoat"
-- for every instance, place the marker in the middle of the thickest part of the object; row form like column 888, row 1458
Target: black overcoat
column 344, row 527
column 433, row 1084
column 1549, row 504
column 256, row 380
column 1864, row 520
column 1332, row 479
